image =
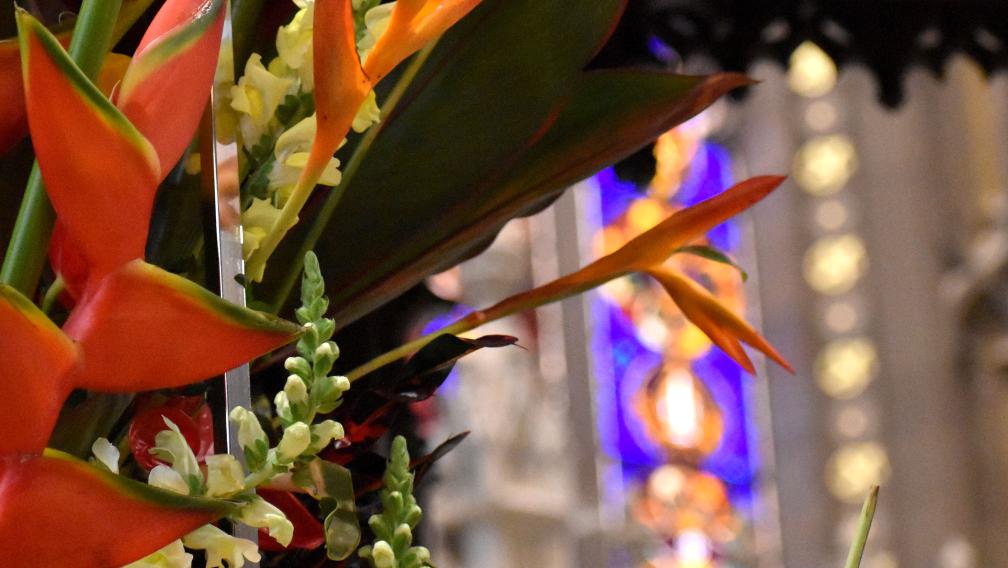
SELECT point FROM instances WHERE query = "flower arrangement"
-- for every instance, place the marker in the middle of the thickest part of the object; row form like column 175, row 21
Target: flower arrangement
column 439, row 158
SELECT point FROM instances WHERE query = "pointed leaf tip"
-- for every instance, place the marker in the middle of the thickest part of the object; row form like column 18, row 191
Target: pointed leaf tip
column 140, row 311
column 34, row 358
column 720, row 324
column 168, row 84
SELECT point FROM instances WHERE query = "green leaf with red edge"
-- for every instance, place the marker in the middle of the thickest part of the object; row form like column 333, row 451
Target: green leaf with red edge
column 168, row 84
column 491, row 134
column 56, row 510
column 100, row 172
column 34, row 359
column 144, row 328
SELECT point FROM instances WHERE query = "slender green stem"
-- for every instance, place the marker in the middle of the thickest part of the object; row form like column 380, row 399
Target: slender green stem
column 407, row 349
column 29, row 242
column 53, row 294
column 321, row 221
column 864, row 525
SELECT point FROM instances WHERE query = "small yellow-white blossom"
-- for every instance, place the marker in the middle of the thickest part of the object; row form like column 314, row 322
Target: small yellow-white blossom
column 294, row 442
column 164, row 477
column 257, row 96
column 260, row 514
column 221, row 547
column 225, row 476
column 171, row 556
column 106, row 454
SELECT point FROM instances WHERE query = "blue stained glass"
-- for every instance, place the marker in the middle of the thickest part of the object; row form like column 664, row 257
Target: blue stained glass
column 623, row 363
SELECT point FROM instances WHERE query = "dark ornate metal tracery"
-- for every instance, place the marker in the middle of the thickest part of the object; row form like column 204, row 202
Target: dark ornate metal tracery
column 887, row 36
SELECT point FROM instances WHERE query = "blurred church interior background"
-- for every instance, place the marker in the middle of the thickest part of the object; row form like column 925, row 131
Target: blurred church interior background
column 619, row 437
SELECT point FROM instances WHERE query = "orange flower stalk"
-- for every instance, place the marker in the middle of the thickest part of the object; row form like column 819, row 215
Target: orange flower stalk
column 646, row 253
column 136, row 326
column 413, row 24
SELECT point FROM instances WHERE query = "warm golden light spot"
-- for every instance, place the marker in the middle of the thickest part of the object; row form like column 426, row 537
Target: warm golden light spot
column 824, row 164
column 845, row 367
column 811, row 72
column 645, row 214
column 855, row 468
column 833, row 265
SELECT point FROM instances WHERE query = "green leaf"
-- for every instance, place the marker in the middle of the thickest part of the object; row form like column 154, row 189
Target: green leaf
column 332, row 486
column 864, row 525
column 711, row 253
column 486, row 134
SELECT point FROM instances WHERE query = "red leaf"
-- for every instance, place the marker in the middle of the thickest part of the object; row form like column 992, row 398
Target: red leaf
column 308, row 532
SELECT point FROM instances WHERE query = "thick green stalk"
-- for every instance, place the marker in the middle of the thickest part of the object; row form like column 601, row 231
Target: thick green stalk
column 321, row 221
column 29, row 242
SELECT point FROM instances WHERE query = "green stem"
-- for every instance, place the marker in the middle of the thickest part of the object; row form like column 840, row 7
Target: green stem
column 26, row 253
column 864, row 525
column 407, row 349
column 321, row 221
column 53, row 294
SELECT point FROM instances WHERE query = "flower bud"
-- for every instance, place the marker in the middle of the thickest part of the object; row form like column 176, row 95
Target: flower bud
column 295, row 441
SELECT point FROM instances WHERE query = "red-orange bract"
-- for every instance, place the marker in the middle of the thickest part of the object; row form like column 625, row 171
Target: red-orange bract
column 135, row 327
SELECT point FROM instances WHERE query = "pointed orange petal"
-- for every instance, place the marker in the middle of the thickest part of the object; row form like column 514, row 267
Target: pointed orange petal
column 34, row 358
column 649, row 249
column 413, row 23
column 100, row 173
column 56, row 510
column 143, row 328
column 168, row 84
column 340, row 84
column 700, row 306
column 657, row 244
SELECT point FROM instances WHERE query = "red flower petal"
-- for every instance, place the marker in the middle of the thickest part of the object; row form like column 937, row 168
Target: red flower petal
column 143, row 328
column 35, row 356
column 58, row 511
column 191, row 414
column 168, row 84
column 99, row 171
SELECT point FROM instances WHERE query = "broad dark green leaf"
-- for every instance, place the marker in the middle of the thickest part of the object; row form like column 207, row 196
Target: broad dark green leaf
column 424, row 373
column 500, row 121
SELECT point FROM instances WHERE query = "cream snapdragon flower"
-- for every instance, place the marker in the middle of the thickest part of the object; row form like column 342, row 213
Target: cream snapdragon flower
column 221, row 547
column 171, row 556
column 294, row 44
column 256, row 97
